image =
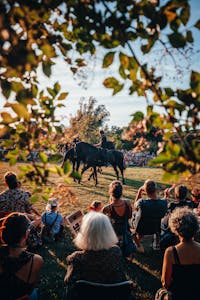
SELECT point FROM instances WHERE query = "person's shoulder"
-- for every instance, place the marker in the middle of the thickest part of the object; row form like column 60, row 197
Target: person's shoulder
column 75, row 256
column 106, row 208
column 115, row 250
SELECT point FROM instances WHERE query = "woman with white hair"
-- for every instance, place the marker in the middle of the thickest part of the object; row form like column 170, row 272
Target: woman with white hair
column 100, row 259
column 181, row 264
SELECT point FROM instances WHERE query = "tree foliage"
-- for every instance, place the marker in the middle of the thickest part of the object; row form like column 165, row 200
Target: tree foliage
column 33, row 33
column 87, row 121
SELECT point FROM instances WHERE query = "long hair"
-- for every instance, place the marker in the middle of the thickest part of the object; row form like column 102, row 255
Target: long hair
column 96, row 233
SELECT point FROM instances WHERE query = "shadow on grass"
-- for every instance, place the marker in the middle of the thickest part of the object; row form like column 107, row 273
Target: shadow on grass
column 51, row 285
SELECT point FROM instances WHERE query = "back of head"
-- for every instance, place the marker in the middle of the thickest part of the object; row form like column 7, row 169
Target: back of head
column 11, row 180
column 101, row 131
column 181, row 192
column 52, row 204
column 150, row 187
column 183, row 222
column 96, row 233
column 115, row 189
column 14, row 228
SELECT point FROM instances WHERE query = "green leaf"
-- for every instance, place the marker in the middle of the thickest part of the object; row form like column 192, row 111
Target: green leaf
column 43, row 157
column 67, row 167
column 51, row 92
column 177, row 40
column 7, row 119
column 124, row 60
column 57, row 87
column 189, row 37
column 122, row 72
column 46, row 67
column 108, row 59
column 33, row 199
column 75, row 175
column 197, row 25
column 137, row 116
column 185, row 13
column 169, row 92
column 20, row 110
column 62, row 96
column 110, row 82
column 170, row 177
column 6, row 88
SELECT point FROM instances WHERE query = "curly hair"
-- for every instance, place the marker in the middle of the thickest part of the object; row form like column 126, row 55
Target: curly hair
column 115, row 189
column 183, row 222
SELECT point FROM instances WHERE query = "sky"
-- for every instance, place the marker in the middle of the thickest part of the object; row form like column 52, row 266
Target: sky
column 122, row 105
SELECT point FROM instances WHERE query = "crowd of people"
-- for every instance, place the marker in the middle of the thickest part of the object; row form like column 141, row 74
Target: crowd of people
column 108, row 236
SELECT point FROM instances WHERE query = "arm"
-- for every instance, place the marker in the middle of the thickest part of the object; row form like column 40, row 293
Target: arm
column 139, row 193
column 167, row 268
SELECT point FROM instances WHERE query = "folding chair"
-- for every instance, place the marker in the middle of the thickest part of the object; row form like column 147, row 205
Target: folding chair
column 83, row 289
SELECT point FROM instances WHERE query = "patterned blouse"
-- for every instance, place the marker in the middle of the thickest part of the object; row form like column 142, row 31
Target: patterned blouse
column 15, row 200
column 103, row 266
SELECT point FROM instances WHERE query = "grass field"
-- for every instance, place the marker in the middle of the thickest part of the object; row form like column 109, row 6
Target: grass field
column 144, row 270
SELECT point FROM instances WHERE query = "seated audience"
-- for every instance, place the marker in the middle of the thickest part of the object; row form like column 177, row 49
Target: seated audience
column 14, row 199
column 19, row 269
column 100, row 259
column 95, row 206
column 180, row 192
column 151, row 209
column 181, row 264
column 120, row 211
column 53, row 223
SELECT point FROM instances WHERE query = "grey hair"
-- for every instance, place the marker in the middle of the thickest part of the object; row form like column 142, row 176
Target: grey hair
column 183, row 222
column 96, row 233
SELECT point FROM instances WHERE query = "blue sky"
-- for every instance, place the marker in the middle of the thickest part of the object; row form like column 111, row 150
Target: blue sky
column 120, row 106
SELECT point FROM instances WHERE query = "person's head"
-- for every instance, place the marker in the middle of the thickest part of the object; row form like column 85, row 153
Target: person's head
column 150, row 187
column 101, row 131
column 183, row 223
column 195, row 193
column 95, row 206
column 11, row 180
column 52, row 204
column 96, row 233
column 115, row 189
column 14, row 228
column 180, row 192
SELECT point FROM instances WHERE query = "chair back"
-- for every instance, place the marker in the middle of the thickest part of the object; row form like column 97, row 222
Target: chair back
column 84, row 289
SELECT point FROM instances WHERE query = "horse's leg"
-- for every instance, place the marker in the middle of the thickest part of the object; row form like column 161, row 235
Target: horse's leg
column 116, row 171
column 91, row 175
column 85, row 167
column 121, row 167
column 95, row 175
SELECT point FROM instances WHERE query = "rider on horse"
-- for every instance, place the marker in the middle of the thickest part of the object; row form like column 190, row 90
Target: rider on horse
column 103, row 144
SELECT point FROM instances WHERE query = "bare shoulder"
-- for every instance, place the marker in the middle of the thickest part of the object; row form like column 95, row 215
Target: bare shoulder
column 38, row 261
column 169, row 253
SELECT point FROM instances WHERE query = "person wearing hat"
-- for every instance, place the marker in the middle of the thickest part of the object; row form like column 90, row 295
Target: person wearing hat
column 52, row 219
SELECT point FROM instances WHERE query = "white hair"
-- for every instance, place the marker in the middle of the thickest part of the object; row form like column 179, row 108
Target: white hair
column 96, row 233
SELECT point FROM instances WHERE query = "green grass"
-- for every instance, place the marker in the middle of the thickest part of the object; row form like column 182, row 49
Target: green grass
column 144, row 270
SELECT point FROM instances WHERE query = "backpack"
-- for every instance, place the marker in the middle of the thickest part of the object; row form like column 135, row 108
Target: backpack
column 46, row 233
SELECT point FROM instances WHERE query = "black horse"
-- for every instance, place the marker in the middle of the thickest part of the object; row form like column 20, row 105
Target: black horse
column 91, row 156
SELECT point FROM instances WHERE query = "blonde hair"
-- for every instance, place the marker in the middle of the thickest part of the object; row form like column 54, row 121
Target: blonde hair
column 96, row 233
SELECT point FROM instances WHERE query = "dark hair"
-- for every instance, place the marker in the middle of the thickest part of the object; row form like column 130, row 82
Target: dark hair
column 181, row 192
column 115, row 189
column 150, row 186
column 101, row 131
column 11, row 180
column 95, row 205
column 13, row 228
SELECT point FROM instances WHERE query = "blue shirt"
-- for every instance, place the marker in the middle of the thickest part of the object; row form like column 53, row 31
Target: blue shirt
column 50, row 217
